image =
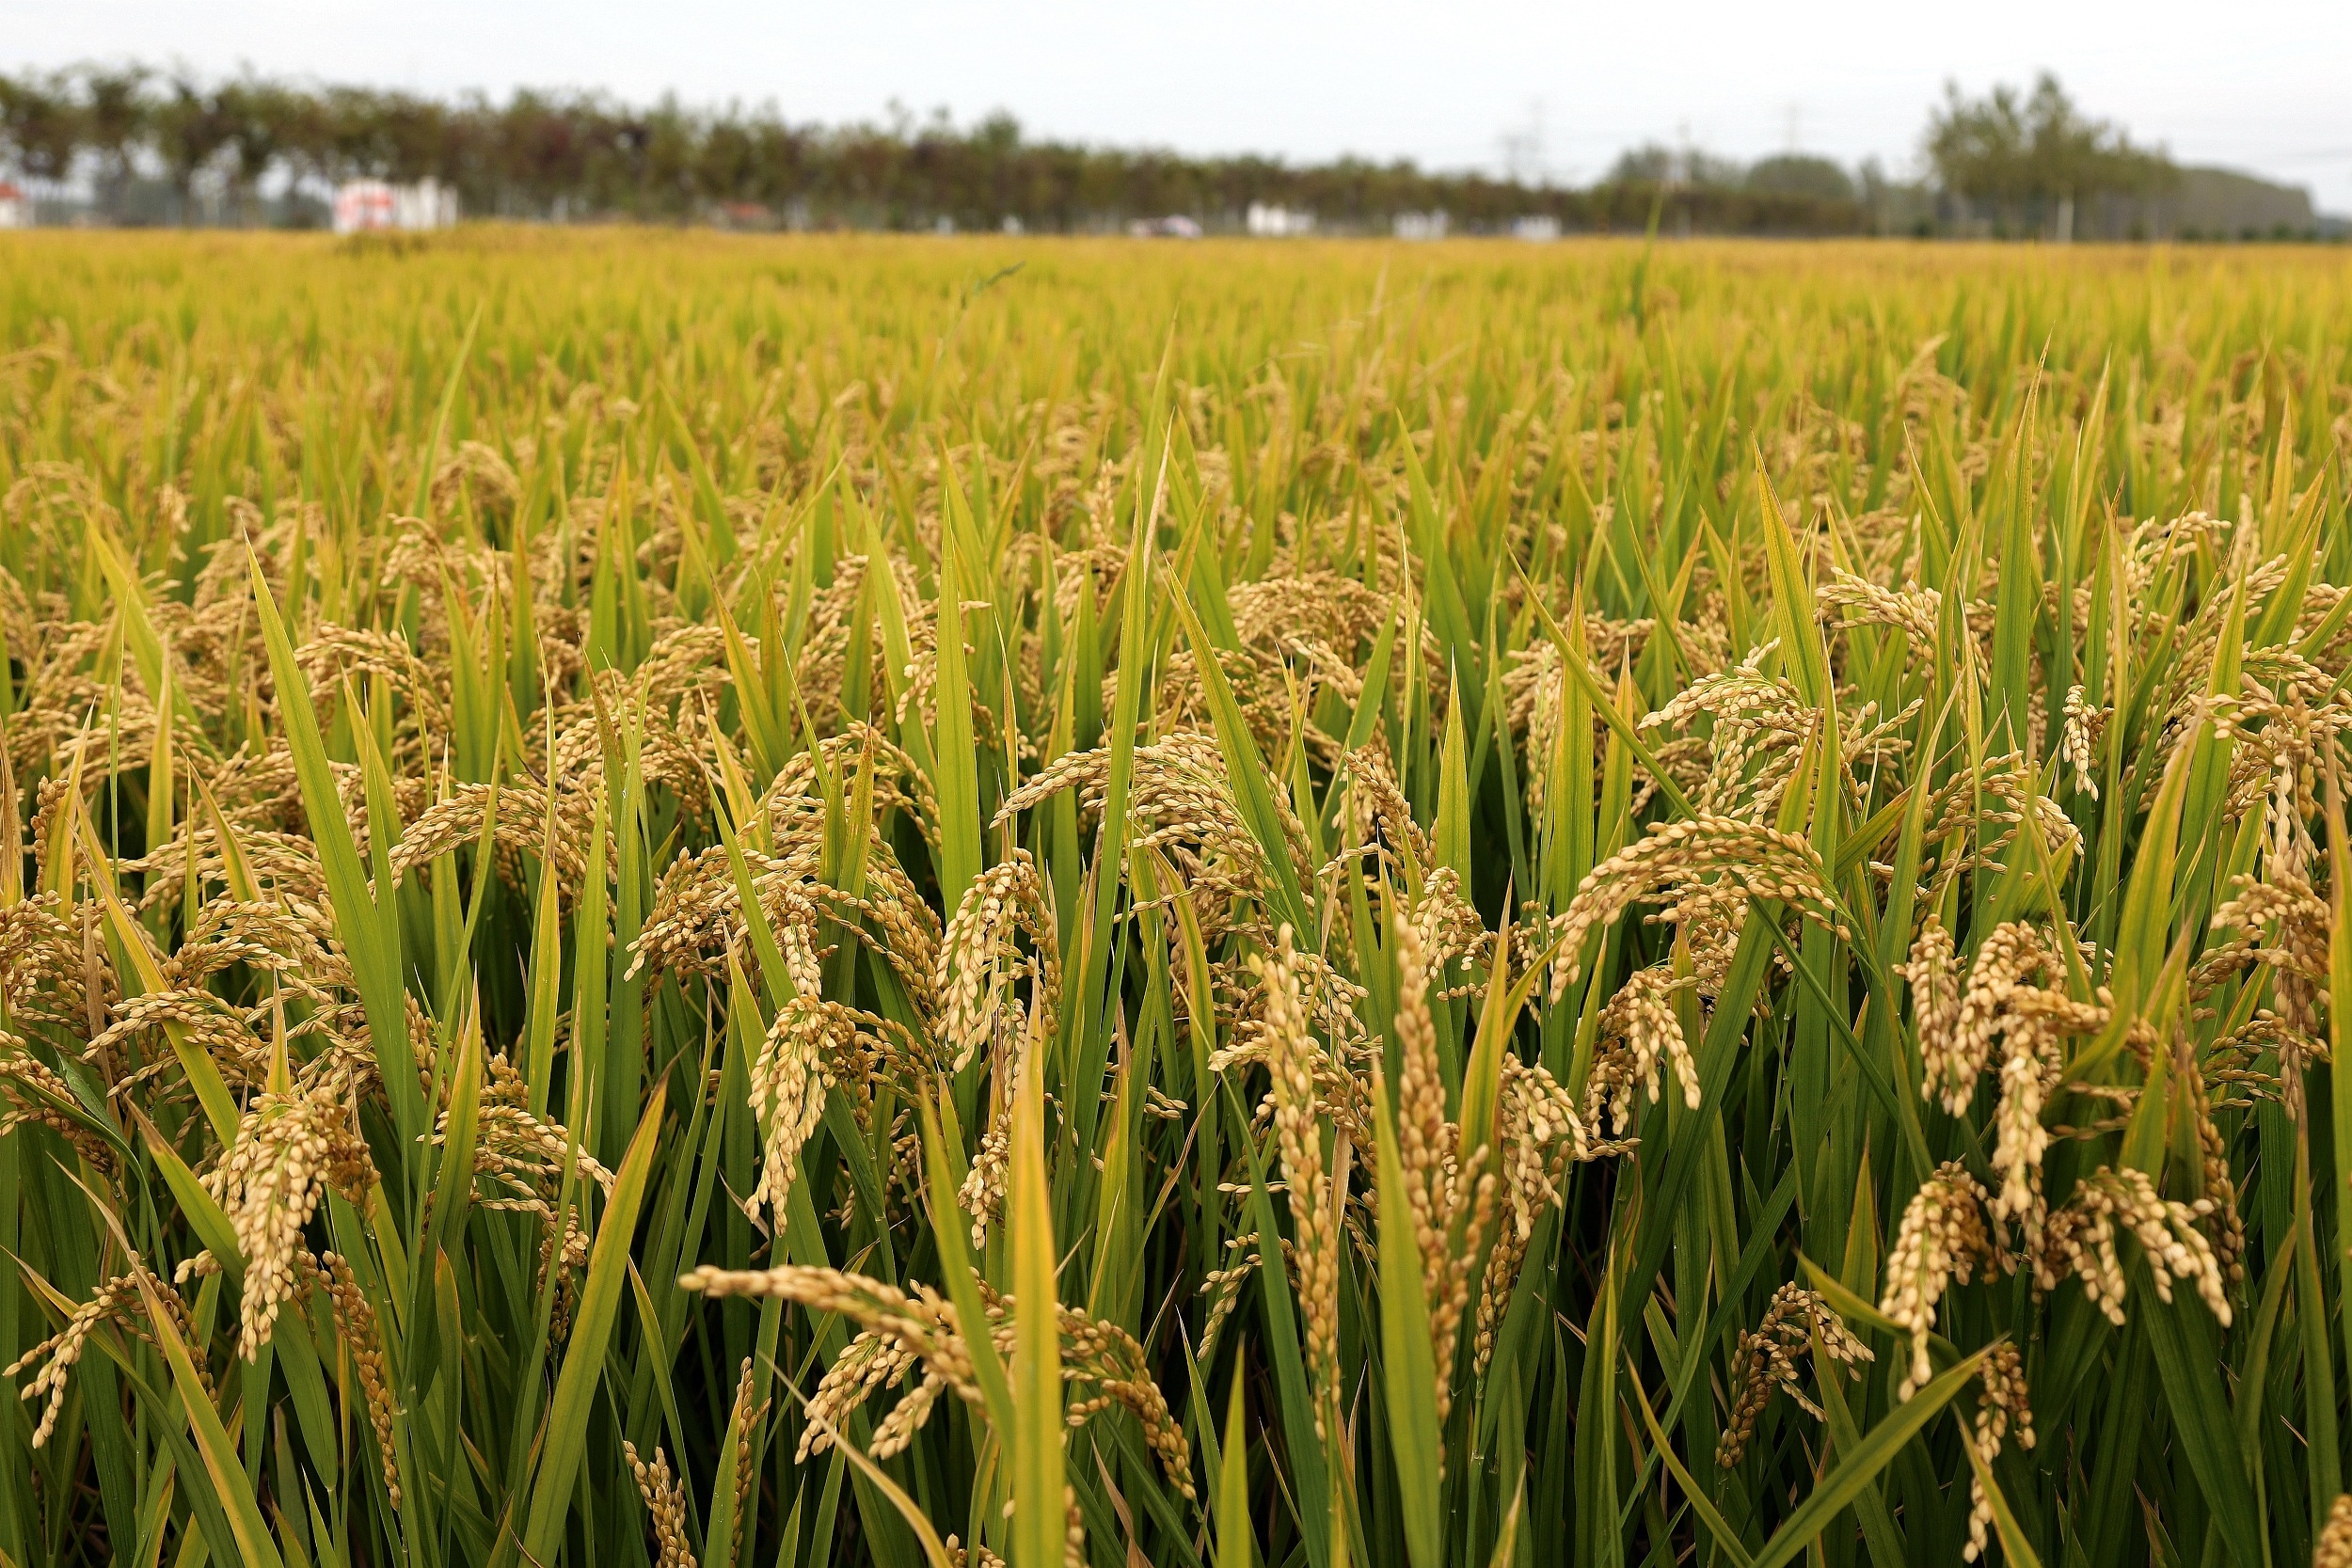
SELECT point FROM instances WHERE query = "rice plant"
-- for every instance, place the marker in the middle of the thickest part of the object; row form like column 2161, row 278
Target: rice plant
column 705, row 902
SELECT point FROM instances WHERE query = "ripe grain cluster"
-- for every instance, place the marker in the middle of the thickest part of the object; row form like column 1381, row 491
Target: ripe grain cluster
column 695, row 902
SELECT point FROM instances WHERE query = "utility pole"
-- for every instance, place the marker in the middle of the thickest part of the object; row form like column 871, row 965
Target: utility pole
column 1523, row 148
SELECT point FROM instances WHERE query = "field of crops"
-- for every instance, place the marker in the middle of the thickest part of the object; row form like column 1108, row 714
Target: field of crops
column 801, row 902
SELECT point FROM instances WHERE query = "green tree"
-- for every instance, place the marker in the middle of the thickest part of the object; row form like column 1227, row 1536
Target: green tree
column 117, row 121
column 41, row 125
column 1800, row 174
column 2031, row 157
column 1654, row 163
column 193, row 126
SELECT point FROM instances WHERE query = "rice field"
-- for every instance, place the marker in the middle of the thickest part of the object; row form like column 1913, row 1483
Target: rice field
column 697, row 901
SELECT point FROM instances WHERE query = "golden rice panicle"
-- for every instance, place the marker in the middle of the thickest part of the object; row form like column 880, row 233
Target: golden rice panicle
column 978, row 1556
column 1695, row 865
column 1933, row 974
column 895, row 1433
column 902, row 1332
column 57, row 1355
column 1292, row 1051
column 1794, row 1324
column 1641, row 1028
column 869, row 1362
column 1761, row 729
column 356, row 1325
column 898, row 1331
column 2005, row 1406
column 2081, row 1239
column 2223, row 1219
column 987, row 1184
column 746, row 1421
column 1074, row 1530
column 118, row 1301
column 979, row 958
column 665, row 1505
column 270, row 1183
column 1911, row 610
column 2038, row 1023
column 1959, row 1026
column 1538, row 1132
column 1541, row 1132
column 1945, row 1236
column 789, row 1078
column 1427, row 1150
column 988, row 1181
column 1453, row 1193
column 2078, row 741
column 33, row 1092
column 2280, row 923
column 1107, row 1358
column 1449, row 929
column 1378, row 812
column 1475, row 1204
column 2334, row 1548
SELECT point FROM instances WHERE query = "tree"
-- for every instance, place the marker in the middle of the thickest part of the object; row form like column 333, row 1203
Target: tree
column 274, row 126
column 41, row 125
column 192, row 126
column 2031, row 157
column 565, row 153
column 1653, row 164
column 116, row 121
column 1800, row 174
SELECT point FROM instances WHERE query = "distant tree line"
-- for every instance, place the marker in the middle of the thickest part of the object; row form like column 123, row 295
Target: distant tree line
column 2029, row 160
column 174, row 147
column 140, row 144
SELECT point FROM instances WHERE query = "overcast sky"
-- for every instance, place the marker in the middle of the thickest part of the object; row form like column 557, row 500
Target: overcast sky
column 2260, row 85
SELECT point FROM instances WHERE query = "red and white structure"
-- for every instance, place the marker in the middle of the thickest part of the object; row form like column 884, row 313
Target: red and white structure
column 375, row 206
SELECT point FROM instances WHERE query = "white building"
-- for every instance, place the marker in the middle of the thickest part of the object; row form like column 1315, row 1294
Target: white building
column 1270, row 222
column 16, row 208
column 1421, row 226
column 368, row 206
column 1176, row 226
column 1539, row 227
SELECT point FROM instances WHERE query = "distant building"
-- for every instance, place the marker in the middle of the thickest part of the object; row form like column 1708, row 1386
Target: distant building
column 1540, row 228
column 2221, row 203
column 372, row 206
column 744, row 214
column 2195, row 203
column 1421, row 226
column 1176, row 226
column 1268, row 221
column 16, row 208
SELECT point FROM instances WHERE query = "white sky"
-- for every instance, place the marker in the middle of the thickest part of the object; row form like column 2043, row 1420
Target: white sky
column 2259, row 85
